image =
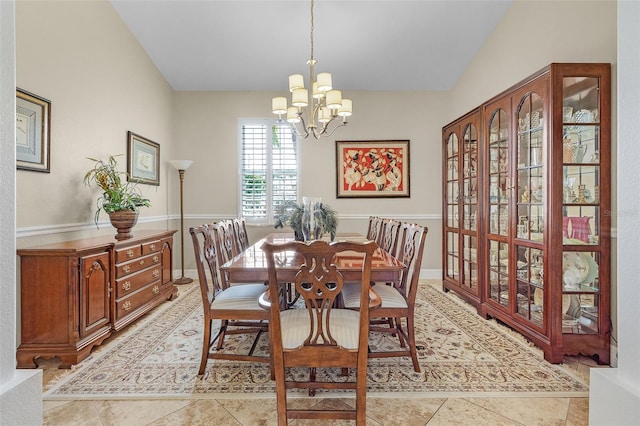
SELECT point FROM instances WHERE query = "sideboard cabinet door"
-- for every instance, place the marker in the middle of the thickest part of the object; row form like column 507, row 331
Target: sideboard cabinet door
column 94, row 293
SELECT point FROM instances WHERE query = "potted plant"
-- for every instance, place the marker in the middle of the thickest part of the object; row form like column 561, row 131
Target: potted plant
column 292, row 214
column 120, row 199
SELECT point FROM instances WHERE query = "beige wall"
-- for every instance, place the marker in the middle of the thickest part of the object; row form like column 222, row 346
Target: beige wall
column 101, row 84
column 205, row 124
column 532, row 35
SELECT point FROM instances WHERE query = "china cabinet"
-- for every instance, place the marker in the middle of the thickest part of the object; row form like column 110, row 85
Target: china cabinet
column 544, row 202
column 460, row 209
column 74, row 294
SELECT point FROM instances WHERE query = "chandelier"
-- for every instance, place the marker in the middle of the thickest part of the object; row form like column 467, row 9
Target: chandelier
column 318, row 114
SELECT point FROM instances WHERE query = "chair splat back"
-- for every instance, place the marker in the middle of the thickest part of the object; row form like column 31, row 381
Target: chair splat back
column 206, row 255
column 240, row 229
column 319, row 284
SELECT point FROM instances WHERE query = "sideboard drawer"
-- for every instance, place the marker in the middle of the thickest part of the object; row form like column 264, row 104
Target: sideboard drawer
column 144, row 296
column 133, row 282
column 124, row 254
column 125, row 269
column 151, row 247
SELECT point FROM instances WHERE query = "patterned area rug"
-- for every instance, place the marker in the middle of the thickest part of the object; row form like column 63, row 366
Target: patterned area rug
column 460, row 353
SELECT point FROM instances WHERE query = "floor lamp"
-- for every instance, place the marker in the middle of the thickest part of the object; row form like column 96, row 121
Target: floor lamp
column 181, row 166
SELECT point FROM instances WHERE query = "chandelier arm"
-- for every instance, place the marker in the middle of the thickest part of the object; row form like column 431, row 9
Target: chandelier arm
column 342, row 124
column 304, row 127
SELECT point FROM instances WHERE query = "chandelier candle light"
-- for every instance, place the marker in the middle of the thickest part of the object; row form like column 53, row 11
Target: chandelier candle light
column 181, row 166
column 312, row 115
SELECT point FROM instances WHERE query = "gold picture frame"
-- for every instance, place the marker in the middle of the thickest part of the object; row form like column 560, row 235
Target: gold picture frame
column 33, row 132
column 143, row 160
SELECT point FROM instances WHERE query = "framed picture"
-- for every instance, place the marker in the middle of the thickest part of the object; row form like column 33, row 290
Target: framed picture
column 33, row 127
column 143, row 160
column 372, row 169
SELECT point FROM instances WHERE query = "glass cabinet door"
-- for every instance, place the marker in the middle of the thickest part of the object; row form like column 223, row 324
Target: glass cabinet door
column 470, row 207
column 452, row 199
column 530, row 198
column 580, row 204
column 498, row 206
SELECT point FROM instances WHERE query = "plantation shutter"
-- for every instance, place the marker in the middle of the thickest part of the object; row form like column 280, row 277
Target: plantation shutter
column 269, row 169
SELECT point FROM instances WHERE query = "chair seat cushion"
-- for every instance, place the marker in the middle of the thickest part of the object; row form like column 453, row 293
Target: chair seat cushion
column 344, row 326
column 391, row 297
column 242, row 297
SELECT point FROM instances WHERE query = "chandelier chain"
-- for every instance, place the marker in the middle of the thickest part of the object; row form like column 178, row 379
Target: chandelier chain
column 312, row 28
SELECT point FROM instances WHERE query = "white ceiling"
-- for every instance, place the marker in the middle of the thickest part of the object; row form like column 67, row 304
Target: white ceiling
column 366, row 45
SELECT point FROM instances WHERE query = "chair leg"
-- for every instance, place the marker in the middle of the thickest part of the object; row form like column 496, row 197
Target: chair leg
column 281, row 395
column 222, row 333
column 412, row 343
column 206, row 344
column 361, row 397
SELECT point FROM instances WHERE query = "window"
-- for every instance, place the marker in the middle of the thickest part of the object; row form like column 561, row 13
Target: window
column 268, row 168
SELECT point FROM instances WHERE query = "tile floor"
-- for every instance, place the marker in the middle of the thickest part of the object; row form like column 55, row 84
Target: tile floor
column 380, row 411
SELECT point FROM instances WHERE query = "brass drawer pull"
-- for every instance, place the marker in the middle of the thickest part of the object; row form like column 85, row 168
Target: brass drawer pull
column 156, row 273
column 152, row 246
column 130, row 253
column 142, row 262
column 126, row 268
column 126, row 285
column 156, row 258
column 126, row 305
column 156, row 289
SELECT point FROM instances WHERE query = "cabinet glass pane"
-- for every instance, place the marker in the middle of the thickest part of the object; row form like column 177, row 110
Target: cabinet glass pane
column 470, row 262
column 581, row 211
column 499, row 272
column 581, row 99
column 498, row 173
column 452, row 216
column 530, row 168
column 530, row 284
column 452, row 255
column 470, row 177
column 580, row 292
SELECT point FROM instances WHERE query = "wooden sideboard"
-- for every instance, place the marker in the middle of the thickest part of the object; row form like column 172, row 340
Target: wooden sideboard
column 74, row 294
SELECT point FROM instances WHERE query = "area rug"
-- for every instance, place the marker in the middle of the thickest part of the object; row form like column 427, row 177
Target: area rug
column 461, row 355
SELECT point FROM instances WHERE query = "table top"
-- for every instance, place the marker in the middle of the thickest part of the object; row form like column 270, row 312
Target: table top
column 251, row 265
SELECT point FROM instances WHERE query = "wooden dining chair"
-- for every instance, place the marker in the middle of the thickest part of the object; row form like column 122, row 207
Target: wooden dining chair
column 228, row 247
column 374, row 231
column 317, row 334
column 398, row 299
column 235, row 306
column 240, row 232
column 389, row 237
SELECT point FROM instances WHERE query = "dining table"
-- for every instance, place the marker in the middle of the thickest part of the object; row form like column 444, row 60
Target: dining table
column 250, row 266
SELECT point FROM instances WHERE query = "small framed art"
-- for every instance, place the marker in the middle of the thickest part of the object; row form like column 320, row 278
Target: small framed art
column 372, row 169
column 143, row 160
column 33, row 126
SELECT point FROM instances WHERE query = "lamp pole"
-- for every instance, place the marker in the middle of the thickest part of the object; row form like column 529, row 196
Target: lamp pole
column 182, row 166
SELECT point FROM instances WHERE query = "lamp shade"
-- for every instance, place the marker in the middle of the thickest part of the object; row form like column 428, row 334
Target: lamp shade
column 346, row 109
column 279, row 105
column 324, row 82
column 334, row 99
column 181, row 164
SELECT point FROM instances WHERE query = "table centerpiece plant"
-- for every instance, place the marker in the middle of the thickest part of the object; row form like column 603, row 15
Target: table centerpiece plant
column 294, row 215
column 120, row 199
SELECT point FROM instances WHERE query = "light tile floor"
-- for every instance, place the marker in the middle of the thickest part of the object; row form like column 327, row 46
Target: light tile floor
column 380, row 411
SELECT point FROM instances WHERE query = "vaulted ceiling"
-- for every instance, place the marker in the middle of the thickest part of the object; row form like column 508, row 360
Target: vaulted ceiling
column 366, row 45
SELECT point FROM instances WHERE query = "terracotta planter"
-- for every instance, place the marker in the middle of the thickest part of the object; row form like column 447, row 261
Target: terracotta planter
column 123, row 221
